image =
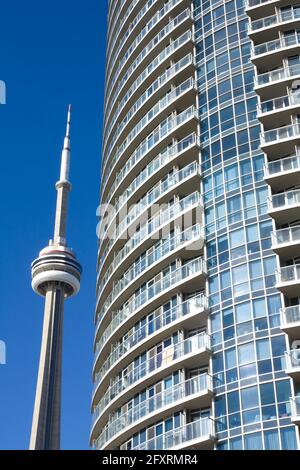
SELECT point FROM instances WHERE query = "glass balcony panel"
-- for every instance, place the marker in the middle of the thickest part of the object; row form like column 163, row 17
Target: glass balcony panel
column 169, row 355
column 290, row 314
column 283, row 165
column 289, row 273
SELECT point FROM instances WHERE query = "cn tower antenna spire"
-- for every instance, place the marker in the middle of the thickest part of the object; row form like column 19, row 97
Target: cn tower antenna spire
column 63, row 187
column 56, row 276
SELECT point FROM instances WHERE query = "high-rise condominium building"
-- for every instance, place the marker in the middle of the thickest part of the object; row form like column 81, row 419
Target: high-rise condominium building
column 197, row 317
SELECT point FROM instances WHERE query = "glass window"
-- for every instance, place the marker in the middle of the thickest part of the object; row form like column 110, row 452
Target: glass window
column 234, row 204
column 259, row 308
column 246, row 353
column 220, row 406
column 233, row 400
column 249, row 397
column 255, row 269
column 288, row 439
column 216, row 322
column 270, row 265
column 278, row 346
column 230, row 358
column 271, row 440
column 267, row 395
column 274, row 304
column 218, row 362
column 253, row 441
column 283, row 390
column 228, row 317
column 237, row 238
column 236, row 443
column 251, row 416
column 240, row 274
column 243, row 312
column 225, row 279
column 263, row 349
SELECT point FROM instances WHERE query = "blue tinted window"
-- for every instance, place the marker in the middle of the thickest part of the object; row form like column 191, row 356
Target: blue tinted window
column 288, row 439
column 249, row 397
column 271, row 440
column 283, row 390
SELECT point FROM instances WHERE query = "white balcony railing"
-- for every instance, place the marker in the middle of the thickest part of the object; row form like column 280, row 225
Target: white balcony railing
column 273, row 20
column 197, row 385
column 166, row 127
column 138, row 38
column 149, row 70
column 167, row 30
column 286, row 236
column 194, row 305
column 282, row 133
column 157, row 163
column 145, row 120
column 142, row 99
column 290, row 315
column 179, row 437
column 163, row 248
column 288, row 274
column 295, row 406
column 277, row 75
column 284, row 200
column 163, row 217
column 151, row 197
column 255, row 3
column 161, row 360
column 278, row 44
column 193, row 267
column 279, row 104
column 292, row 359
column 282, row 166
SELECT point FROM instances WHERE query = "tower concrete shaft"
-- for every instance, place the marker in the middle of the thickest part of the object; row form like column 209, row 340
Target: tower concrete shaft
column 45, row 434
column 55, row 276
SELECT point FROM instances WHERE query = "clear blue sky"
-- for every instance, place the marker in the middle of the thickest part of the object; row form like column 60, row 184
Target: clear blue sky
column 51, row 53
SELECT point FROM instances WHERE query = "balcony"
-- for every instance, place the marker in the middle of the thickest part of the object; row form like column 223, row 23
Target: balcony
column 260, row 8
column 290, row 321
column 130, row 51
column 190, row 394
column 133, row 103
column 190, row 314
column 286, row 242
column 179, row 183
column 123, row 142
column 265, row 28
column 187, row 353
column 276, row 82
column 292, row 358
column 284, row 173
column 288, row 280
column 284, row 207
column 156, row 141
column 266, row 55
column 281, row 141
column 277, row 112
column 198, row 435
column 161, row 223
column 295, row 409
column 176, row 26
column 192, row 275
column 156, row 168
column 181, row 245
column 148, row 75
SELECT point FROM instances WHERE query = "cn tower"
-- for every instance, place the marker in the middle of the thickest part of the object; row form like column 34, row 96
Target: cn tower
column 56, row 276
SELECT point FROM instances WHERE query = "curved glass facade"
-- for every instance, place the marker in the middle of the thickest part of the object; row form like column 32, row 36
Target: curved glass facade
column 205, row 312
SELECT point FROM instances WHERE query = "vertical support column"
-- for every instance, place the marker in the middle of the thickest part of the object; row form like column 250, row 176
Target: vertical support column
column 45, row 432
